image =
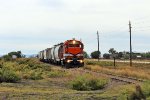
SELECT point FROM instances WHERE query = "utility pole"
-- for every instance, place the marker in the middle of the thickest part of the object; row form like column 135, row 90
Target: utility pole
column 98, row 45
column 130, row 44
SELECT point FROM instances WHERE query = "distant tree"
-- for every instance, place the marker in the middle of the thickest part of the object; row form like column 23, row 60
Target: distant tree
column 95, row 54
column 146, row 55
column 126, row 56
column 120, row 55
column 112, row 51
column 9, row 56
column 106, row 56
column 85, row 54
column 18, row 54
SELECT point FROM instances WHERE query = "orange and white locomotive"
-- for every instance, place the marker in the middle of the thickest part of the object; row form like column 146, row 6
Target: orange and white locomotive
column 68, row 54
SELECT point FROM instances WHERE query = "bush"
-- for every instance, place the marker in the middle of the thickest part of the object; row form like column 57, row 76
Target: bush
column 36, row 76
column 33, row 63
column 87, row 82
column 141, row 92
column 7, row 75
column 146, row 89
column 23, row 68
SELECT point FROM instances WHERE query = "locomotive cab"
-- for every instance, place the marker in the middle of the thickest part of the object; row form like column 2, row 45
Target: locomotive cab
column 73, row 53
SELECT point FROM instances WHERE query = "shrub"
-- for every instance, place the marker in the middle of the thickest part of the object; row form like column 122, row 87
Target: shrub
column 1, row 65
column 33, row 63
column 87, row 82
column 23, row 68
column 7, row 75
column 146, row 89
column 141, row 92
column 36, row 76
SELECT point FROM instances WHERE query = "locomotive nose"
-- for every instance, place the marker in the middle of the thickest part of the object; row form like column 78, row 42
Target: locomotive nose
column 75, row 60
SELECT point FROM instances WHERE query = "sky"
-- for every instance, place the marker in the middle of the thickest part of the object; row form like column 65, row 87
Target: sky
column 34, row 25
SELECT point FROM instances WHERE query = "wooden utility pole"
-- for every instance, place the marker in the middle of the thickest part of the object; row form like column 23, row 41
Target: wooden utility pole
column 98, row 45
column 130, row 44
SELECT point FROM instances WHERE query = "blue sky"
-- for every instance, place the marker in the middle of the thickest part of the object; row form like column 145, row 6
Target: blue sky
column 33, row 25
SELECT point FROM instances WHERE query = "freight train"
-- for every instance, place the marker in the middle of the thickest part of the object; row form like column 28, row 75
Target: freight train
column 67, row 54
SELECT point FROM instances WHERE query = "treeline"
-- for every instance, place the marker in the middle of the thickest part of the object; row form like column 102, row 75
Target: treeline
column 95, row 54
column 13, row 55
column 118, row 55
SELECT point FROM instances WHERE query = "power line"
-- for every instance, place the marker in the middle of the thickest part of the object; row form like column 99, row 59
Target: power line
column 117, row 30
column 141, row 22
column 141, row 30
column 142, row 27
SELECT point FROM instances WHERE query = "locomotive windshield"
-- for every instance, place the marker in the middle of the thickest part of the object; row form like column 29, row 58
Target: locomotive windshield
column 75, row 44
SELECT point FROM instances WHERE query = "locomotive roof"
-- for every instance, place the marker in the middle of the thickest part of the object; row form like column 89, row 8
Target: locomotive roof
column 71, row 40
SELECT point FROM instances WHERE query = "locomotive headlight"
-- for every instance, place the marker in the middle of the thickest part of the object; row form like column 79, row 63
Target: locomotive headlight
column 68, row 61
column 81, row 61
column 74, row 41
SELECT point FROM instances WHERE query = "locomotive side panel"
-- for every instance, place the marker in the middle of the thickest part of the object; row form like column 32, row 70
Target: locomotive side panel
column 49, row 56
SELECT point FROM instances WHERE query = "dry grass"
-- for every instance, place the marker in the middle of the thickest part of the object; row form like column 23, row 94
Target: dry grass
column 127, row 71
column 137, row 71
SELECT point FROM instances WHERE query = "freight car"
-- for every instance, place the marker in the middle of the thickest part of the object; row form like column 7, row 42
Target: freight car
column 68, row 54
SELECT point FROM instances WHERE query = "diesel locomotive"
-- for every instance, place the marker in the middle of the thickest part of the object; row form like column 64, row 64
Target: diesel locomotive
column 68, row 54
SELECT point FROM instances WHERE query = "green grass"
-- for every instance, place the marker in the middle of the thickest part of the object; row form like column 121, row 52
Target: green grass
column 146, row 89
column 87, row 83
column 23, row 68
column 7, row 75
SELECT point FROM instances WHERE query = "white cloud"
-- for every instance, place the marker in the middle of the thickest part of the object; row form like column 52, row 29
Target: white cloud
column 54, row 21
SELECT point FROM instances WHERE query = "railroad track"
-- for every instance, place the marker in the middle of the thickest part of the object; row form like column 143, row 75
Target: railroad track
column 129, row 80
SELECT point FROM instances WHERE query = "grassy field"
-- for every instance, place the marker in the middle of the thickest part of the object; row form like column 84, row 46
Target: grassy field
column 29, row 79
column 138, row 70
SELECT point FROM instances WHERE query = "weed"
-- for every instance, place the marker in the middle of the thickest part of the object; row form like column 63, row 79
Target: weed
column 7, row 75
column 88, row 82
column 36, row 76
column 146, row 89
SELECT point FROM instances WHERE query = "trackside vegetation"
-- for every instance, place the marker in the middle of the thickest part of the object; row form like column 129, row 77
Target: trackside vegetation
column 30, row 79
column 88, row 82
column 22, row 68
column 140, row 71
